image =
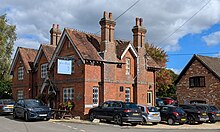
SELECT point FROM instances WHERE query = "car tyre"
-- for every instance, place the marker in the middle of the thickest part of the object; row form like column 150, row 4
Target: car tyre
column 26, row 118
column 118, row 120
column 191, row 120
column 14, row 115
column 170, row 121
column 134, row 124
column 91, row 116
column 154, row 123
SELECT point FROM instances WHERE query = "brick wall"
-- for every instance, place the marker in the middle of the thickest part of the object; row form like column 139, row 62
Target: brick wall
column 210, row 93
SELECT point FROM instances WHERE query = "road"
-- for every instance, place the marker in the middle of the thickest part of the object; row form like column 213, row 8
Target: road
column 8, row 124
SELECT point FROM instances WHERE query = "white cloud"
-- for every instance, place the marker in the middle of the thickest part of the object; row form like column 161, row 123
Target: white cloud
column 160, row 18
column 177, row 71
column 212, row 39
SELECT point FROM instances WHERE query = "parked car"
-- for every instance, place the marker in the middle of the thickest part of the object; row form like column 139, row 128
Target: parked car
column 173, row 114
column 31, row 109
column 159, row 102
column 168, row 101
column 212, row 111
column 150, row 114
column 195, row 114
column 6, row 106
column 117, row 111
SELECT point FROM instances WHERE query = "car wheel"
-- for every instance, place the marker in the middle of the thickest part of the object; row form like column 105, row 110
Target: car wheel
column 91, row 116
column 118, row 119
column 134, row 124
column 26, row 118
column 154, row 123
column 191, row 120
column 200, row 122
column 213, row 121
column 14, row 115
column 170, row 121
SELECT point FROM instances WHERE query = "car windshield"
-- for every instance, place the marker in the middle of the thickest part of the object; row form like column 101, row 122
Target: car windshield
column 179, row 110
column 8, row 102
column 152, row 109
column 213, row 108
column 131, row 105
column 33, row 103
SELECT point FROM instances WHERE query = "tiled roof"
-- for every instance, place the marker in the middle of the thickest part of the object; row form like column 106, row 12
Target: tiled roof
column 48, row 50
column 213, row 63
column 88, row 46
column 27, row 55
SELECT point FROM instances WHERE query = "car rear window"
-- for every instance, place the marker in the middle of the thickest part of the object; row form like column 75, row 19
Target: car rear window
column 152, row 109
column 213, row 108
column 179, row 110
column 201, row 107
column 8, row 102
column 131, row 106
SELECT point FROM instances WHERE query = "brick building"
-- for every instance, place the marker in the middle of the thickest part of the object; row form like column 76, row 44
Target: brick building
column 91, row 69
column 200, row 80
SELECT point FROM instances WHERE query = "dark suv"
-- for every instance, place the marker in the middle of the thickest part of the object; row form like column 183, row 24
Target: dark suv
column 118, row 112
column 195, row 114
column 172, row 114
column 212, row 111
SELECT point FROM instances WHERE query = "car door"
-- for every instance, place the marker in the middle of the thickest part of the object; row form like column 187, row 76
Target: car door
column 101, row 111
column 164, row 113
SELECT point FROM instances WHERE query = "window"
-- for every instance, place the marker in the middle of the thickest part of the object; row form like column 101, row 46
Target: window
column 68, row 93
column 198, row 81
column 149, row 98
column 127, row 95
column 43, row 70
column 128, row 65
column 21, row 73
column 95, row 95
column 20, row 94
column 73, row 66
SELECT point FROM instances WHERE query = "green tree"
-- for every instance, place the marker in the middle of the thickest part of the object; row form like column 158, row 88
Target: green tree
column 165, row 78
column 7, row 38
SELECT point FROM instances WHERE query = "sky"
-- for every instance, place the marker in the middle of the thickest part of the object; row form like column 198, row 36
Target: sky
column 180, row 27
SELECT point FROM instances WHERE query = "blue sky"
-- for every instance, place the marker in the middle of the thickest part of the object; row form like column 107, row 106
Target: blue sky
column 197, row 21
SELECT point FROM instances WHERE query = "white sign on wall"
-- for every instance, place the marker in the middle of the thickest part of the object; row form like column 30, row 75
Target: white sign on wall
column 64, row 67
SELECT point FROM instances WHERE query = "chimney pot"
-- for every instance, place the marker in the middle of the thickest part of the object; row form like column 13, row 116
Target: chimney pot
column 110, row 15
column 141, row 21
column 137, row 21
column 105, row 14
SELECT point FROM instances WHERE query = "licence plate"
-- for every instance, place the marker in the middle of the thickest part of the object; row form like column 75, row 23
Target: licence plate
column 155, row 115
column 204, row 114
column 10, row 106
column 217, row 114
column 135, row 114
column 42, row 114
column 183, row 119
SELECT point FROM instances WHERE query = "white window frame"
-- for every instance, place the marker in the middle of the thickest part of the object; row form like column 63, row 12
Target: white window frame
column 127, row 95
column 44, row 70
column 20, row 94
column 21, row 73
column 68, row 93
column 128, row 66
column 95, row 96
column 73, row 66
column 149, row 98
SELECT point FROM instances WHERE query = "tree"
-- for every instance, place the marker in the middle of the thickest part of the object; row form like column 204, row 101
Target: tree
column 165, row 78
column 7, row 38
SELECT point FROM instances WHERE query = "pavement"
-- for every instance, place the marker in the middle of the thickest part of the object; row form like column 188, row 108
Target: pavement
column 159, row 126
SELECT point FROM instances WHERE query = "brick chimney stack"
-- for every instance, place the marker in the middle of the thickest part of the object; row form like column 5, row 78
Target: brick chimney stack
column 107, row 33
column 139, row 34
column 55, row 34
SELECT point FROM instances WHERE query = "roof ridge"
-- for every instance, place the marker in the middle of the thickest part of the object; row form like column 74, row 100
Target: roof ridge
column 82, row 31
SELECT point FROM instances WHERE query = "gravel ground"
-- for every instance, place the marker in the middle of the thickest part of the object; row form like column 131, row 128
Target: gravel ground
column 160, row 125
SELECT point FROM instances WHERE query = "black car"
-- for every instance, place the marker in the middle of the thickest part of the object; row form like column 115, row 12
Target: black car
column 195, row 113
column 118, row 112
column 173, row 114
column 6, row 106
column 212, row 111
column 31, row 109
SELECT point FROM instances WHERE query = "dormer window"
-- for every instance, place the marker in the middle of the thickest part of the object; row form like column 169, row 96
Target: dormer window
column 43, row 70
column 21, row 73
column 128, row 66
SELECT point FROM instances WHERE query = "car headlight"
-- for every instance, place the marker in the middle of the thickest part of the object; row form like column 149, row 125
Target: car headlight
column 49, row 109
column 30, row 109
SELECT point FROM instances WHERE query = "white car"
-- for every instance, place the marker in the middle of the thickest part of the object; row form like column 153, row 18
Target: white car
column 150, row 114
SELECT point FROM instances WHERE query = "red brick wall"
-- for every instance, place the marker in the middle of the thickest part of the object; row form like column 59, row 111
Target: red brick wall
column 210, row 93
column 24, row 84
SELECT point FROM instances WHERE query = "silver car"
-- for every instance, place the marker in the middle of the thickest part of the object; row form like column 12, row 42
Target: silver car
column 150, row 114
